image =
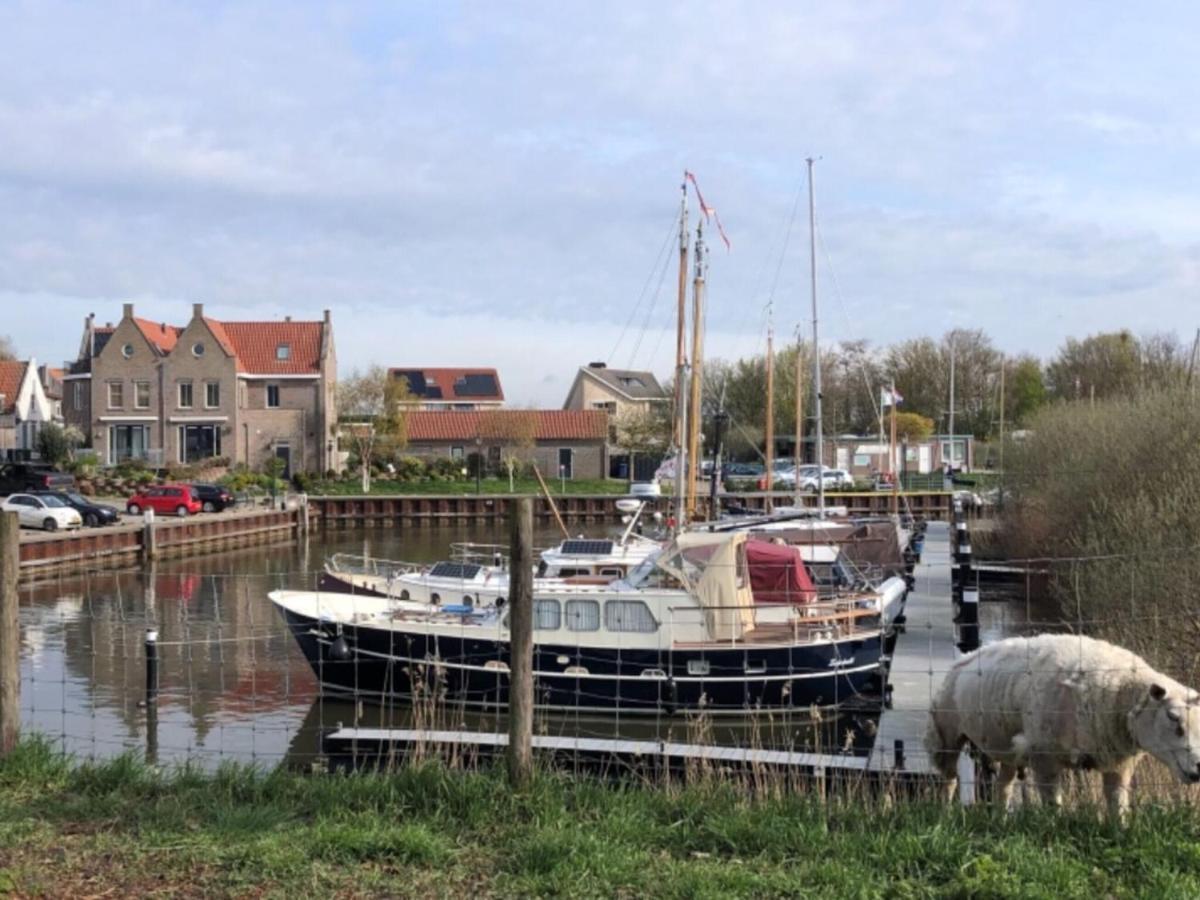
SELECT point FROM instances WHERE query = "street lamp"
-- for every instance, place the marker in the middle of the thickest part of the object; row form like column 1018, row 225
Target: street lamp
column 478, row 463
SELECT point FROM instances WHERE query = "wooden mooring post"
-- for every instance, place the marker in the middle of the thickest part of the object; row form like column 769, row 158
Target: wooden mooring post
column 520, row 624
column 10, row 632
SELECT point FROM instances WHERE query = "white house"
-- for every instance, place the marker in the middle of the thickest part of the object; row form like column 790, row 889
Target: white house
column 24, row 407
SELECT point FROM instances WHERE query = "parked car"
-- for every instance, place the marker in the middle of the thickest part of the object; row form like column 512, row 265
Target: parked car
column 807, row 476
column 48, row 512
column 168, row 499
column 24, row 477
column 213, row 497
column 743, row 470
column 645, row 489
column 93, row 514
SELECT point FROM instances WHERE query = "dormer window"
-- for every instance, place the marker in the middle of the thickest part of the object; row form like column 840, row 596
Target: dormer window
column 197, row 349
column 630, row 381
column 127, row 351
column 283, row 351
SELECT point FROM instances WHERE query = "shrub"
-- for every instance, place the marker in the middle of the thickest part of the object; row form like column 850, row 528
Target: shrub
column 1116, row 486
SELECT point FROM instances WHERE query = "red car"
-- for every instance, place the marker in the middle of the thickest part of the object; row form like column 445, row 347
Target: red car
column 168, row 499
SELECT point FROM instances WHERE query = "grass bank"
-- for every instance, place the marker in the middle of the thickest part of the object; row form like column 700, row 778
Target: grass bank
column 122, row 829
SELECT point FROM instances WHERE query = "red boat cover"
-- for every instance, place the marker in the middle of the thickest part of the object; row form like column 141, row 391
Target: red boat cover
column 777, row 574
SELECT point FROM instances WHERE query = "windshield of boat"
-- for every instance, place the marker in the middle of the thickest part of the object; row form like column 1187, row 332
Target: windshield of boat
column 832, row 576
column 647, row 574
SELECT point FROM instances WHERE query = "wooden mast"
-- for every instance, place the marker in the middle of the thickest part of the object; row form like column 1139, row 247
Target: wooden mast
column 769, row 430
column 812, row 253
column 693, row 413
column 799, row 414
column 892, row 457
column 677, row 436
column 1000, row 496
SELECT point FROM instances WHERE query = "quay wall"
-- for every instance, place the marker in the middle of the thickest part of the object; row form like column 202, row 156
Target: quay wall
column 417, row 510
column 121, row 546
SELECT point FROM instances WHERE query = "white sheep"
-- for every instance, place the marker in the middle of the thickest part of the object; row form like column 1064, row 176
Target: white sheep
column 1057, row 701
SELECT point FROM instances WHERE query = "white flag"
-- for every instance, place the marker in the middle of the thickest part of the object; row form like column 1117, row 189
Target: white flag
column 888, row 398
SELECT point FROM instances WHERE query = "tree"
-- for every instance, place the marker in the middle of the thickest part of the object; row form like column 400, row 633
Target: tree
column 515, row 431
column 1099, row 366
column 643, row 432
column 7, row 351
column 374, row 414
column 56, row 443
column 1026, row 391
column 913, row 426
column 921, row 368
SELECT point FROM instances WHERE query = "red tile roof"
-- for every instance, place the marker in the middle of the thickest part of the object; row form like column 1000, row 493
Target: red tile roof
column 256, row 343
column 450, row 379
column 12, row 372
column 551, row 424
column 159, row 334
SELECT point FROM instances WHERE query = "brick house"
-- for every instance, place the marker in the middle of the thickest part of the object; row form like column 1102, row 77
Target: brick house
column 615, row 391
column 248, row 391
column 573, row 444
column 461, row 390
column 24, row 408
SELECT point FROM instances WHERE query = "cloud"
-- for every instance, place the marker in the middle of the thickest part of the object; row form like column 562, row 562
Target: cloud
column 435, row 169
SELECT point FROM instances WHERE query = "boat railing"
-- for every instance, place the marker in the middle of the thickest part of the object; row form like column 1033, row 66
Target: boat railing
column 482, row 554
column 820, row 620
column 355, row 564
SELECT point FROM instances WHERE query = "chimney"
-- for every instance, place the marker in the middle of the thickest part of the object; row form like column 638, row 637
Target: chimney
column 597, row 365
column 328, row 318
column 287, row 318
column 127, row 311
column 197, row 310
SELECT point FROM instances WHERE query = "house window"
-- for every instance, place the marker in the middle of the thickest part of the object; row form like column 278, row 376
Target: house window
column 283, row 351
column 127, row 442
column 456, row 452
column 565, row 460
column 212, row 394
column 141, row 395
column 116, row 395
column 127, row 351
column 272, row 396
column 198, row 442
column 78, row 391
column 197, row 349
column 609, row 406
column 185, row 395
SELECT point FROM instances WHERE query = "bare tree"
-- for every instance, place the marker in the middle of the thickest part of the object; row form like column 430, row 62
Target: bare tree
column 515, row 431
column 374, row 415
column 7, row 350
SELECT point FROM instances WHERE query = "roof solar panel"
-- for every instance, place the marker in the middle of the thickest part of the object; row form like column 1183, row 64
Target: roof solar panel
column 476, row 385
column 415, row 378
column 587, row 548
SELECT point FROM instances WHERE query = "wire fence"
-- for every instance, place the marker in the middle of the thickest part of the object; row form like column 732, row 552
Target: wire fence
column 278, row 668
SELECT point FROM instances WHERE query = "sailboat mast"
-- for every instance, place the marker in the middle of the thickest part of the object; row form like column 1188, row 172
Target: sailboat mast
column 697, row 373
column 769, row 430
column 812, row 252
column 799, row 413
column 677, row 437
column 1000, row 497
column 952, row 400
column 892, row 457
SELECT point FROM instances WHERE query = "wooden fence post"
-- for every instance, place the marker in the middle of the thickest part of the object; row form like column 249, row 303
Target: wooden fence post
column 520, row 626
column 10, row 632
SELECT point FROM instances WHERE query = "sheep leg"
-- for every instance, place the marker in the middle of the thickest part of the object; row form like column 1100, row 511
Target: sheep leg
column 1003, row 787
column 1047, row 780
column 1116, row 792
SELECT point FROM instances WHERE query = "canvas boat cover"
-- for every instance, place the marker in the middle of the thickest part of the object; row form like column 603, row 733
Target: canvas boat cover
column 777, row 574
column 711, row 567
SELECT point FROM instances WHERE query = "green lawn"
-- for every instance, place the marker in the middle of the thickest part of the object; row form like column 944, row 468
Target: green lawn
column 122, row 829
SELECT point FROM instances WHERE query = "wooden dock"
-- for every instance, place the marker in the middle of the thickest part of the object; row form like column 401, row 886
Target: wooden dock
column 923, row 655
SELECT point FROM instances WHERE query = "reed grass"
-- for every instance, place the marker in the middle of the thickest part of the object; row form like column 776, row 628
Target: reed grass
column 122, row 827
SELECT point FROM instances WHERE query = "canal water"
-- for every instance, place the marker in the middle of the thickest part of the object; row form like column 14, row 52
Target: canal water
column 232, row 683
column 234, row 686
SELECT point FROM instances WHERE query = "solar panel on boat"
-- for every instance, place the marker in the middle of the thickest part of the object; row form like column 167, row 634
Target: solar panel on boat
column 587, row 548
column 454, row 570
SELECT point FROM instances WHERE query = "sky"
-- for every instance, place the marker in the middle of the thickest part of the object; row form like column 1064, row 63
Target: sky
column 497, row 184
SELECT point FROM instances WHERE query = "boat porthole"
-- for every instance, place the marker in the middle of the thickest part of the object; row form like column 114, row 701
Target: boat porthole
column 467, row 601
column 404, row 595
column 435, row 599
